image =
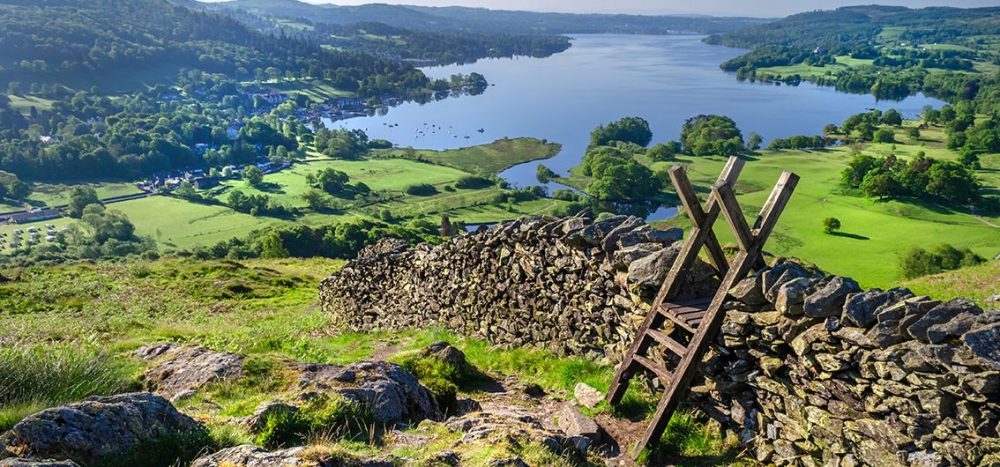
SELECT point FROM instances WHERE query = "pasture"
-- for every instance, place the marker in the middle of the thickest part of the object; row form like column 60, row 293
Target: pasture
column 873, row 233
column 486, row 159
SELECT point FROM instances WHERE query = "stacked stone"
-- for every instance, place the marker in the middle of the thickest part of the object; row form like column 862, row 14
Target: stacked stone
column 812, row 370
column 809, row 369
column 573, row 285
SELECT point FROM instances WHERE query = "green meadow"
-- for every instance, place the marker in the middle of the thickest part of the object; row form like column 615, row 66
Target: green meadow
column 873, row 233
column 316, row 90
column 57, row 194
column 486, row 159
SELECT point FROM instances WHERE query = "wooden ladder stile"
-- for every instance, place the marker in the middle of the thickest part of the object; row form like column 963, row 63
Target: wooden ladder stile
column 699, row 318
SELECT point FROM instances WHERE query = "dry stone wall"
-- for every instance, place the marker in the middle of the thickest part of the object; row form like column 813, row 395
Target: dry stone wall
column 571, row 285
column 808, row 369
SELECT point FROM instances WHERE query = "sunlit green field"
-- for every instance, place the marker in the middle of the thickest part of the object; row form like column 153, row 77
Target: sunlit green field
column 485, row 159
column 317, row 90
column 873, row 232
column 178, row 223
column 393, row 175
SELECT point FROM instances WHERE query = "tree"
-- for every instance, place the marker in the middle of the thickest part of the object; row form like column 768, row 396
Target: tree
column 329, row 180
column 271, row 246
column 952, row 182
column 185, row 190
column 664, row 151
column 892, row 117
column 544, row 174
column 107, row 225
column 830, row 129
column 706, row 135
column 628, row 130
column 80, row 197
column 916, row 262
column 857, row 168
column 253, row 176
column 970, row 160
column 831, row 225
column 754, row 142
column 880, row 184
column 625, row 181
column 914, row 133
column 884, row 135
column 18, row 190
column 315, row 199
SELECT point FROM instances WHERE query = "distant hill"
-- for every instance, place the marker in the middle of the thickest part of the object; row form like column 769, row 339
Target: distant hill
column 861, row 24
column 486, row 21
column 60, row 40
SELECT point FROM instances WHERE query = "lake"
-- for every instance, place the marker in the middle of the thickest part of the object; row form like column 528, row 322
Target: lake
column 664, row 79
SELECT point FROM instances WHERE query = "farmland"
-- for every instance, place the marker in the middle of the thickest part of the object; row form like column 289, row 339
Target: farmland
column 176, row 223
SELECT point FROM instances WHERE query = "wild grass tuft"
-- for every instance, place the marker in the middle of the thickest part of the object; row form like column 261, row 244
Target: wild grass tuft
column 330, row 417
column 36, row 377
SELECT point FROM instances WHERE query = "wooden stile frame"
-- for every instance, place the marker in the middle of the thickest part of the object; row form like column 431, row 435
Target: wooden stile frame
column 701, row 318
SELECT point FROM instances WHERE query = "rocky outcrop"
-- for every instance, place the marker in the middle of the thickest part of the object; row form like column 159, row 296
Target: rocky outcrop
column 19, row 462
column 573, row 285
column 96, row 428
column 178, row 370
column 389, row 391
column 253, row 456
column 519, row 424
column 808, row 368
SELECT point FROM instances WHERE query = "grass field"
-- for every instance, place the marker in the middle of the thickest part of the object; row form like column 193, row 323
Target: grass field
column 392, row 175
column 487, row 159
column 24, row 104
column 317, row 90
column 176, row 223
column 873, row 232
column 47, row 194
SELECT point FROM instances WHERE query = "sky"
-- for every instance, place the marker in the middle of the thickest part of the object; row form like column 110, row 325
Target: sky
column 760, row 8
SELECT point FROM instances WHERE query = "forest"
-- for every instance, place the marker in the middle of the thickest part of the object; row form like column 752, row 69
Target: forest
column 59, row 40
column 483, row 21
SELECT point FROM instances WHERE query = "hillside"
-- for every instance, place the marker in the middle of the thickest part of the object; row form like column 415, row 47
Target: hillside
column 890, row 52
column 82, row 43
column 845, row 28
column 487, row 21
column 463, row 357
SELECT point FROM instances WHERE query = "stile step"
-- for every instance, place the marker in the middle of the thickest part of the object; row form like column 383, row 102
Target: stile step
column 661, row 372
column 674, row 346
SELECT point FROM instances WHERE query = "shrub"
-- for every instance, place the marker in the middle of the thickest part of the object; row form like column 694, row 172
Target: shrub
column 421, row 189
column 473, row 183
column 917, row 262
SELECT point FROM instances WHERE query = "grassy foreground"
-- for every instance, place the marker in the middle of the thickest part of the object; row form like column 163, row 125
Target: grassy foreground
column 80, row 323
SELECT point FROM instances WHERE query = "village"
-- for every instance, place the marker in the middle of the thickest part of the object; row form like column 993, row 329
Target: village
column 265, row 101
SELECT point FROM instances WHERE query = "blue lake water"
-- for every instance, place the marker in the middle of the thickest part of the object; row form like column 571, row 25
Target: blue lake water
column 664, row 79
